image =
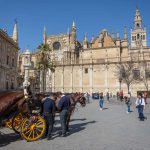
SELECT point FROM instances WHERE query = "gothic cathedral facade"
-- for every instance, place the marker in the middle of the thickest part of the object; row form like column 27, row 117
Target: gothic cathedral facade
column 89, row 66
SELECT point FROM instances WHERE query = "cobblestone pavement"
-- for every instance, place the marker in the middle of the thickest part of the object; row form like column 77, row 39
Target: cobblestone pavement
column 92, row 129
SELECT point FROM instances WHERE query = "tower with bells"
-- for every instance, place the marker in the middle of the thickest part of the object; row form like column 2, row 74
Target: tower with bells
column 138, row 35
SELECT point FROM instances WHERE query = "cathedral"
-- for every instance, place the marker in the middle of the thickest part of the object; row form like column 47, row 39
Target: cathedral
column 89, row 66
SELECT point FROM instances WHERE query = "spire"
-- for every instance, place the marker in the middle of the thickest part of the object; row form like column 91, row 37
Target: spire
column 137, row 12
column 73, row 25
column 137, row 19
column 112, row 35
column 73, row 36
column 15, row 32
column 92, row 39
column 44, row 35
column 68, row 31
column 85, row 41
column 118, row 36
column 125, row 33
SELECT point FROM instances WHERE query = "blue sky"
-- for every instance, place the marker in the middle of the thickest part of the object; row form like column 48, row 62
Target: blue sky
column 90, row 16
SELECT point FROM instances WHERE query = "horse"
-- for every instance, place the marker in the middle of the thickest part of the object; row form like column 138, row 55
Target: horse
column 8, row 102
column 74, row 99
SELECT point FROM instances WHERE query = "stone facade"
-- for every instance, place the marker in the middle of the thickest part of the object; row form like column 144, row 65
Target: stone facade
column 90, row 66
column 8, row 60
column 33, row 74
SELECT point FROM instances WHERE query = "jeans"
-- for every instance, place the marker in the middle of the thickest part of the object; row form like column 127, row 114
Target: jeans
column 63, row 120
column 49, row 124
column 140, row 111
column 101, row 103
column 128, row 108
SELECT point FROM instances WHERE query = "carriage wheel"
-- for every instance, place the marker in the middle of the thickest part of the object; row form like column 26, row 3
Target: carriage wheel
column 17, row 121
column 33, row 129
column 9, row 123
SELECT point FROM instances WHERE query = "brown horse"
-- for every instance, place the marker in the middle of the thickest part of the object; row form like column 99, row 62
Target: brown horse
column 8, row 102
column 74, row 99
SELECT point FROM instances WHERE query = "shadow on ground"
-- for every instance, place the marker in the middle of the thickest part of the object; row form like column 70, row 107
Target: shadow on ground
column 6, row 139
column 74, row 128
column 105, row 108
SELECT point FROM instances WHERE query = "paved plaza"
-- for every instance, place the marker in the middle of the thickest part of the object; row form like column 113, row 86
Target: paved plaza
column 92, row 129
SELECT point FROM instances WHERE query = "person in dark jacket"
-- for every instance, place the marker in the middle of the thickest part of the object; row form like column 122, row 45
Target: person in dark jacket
column 49, row 111
column 63, row 106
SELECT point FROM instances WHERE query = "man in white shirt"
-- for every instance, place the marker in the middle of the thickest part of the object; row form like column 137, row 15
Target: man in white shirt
column 140, row 105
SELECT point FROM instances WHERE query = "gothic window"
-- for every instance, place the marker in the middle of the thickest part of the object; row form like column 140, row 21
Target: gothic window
column 7, row 85
column 138, row 36
column 143, row 37
column 132, row 38
column 136, row 73
column 12, row 85
column 135, row 38
column 56, row 46
column 7, row 62
column 147, row 73
column 137, row 25
column 86, row 70
column 13, row 62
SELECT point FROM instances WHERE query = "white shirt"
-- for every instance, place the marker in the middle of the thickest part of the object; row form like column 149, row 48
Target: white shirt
column 140, row 101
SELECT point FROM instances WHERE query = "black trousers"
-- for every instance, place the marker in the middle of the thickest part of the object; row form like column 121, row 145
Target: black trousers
column 63, row 120
column 49, row 122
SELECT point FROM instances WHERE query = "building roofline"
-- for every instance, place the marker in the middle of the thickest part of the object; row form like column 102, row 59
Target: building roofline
column 9, row 39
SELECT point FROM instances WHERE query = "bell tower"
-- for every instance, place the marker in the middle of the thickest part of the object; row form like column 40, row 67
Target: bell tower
column 138, row 35
column 73, row 36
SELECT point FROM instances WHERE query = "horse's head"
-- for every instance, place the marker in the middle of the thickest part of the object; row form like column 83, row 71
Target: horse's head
column 40, row 96
column 81, row 99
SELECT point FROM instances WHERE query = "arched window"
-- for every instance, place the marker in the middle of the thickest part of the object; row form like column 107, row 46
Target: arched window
column 56, row 46
column 138, row 36
column 132, row 38
column 136, row 73
column 137, row 25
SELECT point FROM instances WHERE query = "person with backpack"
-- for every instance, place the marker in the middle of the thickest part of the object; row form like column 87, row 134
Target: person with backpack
column 140, row 105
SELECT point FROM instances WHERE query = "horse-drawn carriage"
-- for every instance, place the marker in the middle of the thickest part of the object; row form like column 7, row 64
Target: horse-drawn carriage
column 25, row 116
column 16, row 114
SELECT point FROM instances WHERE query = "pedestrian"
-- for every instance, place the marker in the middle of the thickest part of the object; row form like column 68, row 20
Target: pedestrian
column 107, row 96
column 86, row 95
column 121, row 95
column 63, row 106
column 101, row 101
column 145, row 97
column 49, row 113
column 128, row 103
column 117, row 94
column 140, row 105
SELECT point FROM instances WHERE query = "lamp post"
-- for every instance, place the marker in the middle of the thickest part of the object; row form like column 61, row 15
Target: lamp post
column 120, row 80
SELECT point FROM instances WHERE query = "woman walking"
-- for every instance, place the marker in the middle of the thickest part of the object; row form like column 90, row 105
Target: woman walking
column 101, row 101
column 140, row 105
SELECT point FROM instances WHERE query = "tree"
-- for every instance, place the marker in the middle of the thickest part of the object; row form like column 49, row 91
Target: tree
column 124, row 72
column 144, row 74
column 44, row 63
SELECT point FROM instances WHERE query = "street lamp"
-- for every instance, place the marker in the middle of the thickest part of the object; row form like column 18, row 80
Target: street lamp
column 120, row 80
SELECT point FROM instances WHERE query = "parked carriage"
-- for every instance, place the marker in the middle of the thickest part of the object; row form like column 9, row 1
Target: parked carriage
column 15, row 114
column 24, row 116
